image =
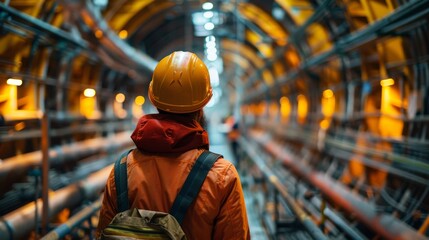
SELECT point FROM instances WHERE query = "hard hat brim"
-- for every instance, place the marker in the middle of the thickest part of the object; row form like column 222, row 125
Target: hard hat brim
column 177, row 108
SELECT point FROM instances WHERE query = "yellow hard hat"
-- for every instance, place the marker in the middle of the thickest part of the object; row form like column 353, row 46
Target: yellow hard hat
column 180, row 83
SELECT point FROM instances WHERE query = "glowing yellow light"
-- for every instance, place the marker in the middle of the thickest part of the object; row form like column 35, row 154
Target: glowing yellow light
column 285, row 107
column 387, row 82
column 292, row 58
column 328, row 93
column 123, row 34
column 120, row 97
column 302, row 108
column 19, row 126
column 139, row 100
column 89, row 92
column 14, row 82
column 98, row 33
column 324, row 124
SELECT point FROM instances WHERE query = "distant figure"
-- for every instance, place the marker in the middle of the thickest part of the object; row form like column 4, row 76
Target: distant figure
column 233, row 136
column 167, row 146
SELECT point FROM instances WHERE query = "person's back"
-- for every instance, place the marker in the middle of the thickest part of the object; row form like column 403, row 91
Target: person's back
column 168, row 145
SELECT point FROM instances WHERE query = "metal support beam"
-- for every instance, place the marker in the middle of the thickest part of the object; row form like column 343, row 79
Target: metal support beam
column 111, row 48
column 41, row 27
column 404, row 15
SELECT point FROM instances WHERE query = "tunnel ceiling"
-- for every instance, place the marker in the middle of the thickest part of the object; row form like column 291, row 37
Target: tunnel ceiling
column 261, row 45
column 159, row 27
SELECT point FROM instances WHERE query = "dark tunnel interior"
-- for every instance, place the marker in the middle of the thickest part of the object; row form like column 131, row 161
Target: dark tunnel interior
column 331, row 99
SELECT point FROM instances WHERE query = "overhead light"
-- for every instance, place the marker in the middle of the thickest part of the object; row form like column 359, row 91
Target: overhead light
column 98, row 33
column 123, row 34
column 214, row 76
column 207, row 6
column 209, row 26
column 387, row 82
column 328, row 93
column 14, row 82
column 324, row 124
column 139, row 100
column 212, row 57
column 208, row 14
column 89, row 92
column 120, row 97
column 211, row 44
column 19, row 126
column 210, row 38
column 211, row 51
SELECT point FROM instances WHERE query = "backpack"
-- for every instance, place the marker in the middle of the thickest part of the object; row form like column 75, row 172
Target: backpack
column 145, row 224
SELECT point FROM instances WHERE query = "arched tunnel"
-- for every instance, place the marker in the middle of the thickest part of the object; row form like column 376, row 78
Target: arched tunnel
column 331, row 100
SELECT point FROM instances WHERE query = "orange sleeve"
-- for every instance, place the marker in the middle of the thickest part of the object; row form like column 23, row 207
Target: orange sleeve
column 109, row 206
column 231, row 222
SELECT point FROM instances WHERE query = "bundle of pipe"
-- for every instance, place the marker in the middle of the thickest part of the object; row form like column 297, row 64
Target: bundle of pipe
column 19, row 223
column 65, row 228
column 385, row 225
column 14, row 168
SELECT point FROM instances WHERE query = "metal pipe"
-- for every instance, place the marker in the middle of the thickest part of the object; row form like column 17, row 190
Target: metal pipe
column 111, row 47
column 386, row 225
column 19, row 223
column 75, row 221
column 310, row 226
column 45, row 172
column 13, row 168
column 402, row 16
column 39, row 26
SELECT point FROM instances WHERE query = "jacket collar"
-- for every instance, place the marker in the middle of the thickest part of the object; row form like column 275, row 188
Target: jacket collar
column 166, row 133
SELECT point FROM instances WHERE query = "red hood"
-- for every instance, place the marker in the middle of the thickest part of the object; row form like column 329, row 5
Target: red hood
column 165, row 133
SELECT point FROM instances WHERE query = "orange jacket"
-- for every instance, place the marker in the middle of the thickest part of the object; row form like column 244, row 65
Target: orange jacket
column 154, row 180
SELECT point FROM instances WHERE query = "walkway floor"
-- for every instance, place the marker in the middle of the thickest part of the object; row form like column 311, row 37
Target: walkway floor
column 219, row 144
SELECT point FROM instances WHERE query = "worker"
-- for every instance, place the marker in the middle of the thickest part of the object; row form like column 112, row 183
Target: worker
column 167, row 145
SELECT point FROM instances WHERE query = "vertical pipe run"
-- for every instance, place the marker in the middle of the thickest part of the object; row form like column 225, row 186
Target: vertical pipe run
column 45, row 173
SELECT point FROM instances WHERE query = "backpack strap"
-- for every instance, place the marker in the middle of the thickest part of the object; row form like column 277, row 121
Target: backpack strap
column 121, row 182
column 192, row 185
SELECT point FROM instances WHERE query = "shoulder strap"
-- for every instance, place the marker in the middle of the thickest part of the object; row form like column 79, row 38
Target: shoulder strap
column 121, row 182
column 192, row 185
